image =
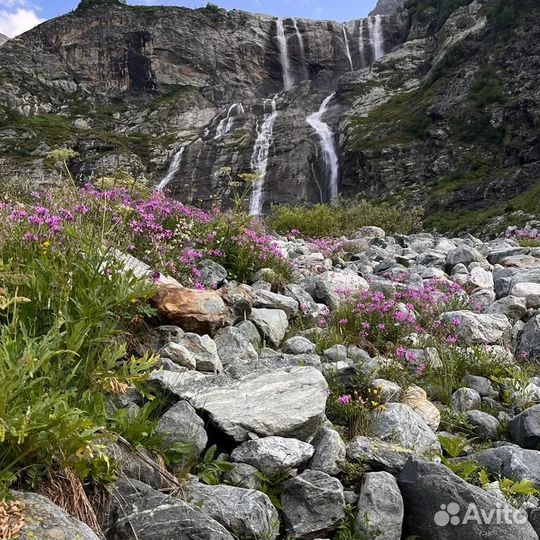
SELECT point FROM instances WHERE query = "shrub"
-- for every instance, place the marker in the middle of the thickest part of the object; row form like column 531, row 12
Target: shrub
column 345, row 218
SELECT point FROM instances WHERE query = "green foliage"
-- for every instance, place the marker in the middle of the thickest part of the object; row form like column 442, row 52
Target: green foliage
column 272, row 486
column 517, row 492
column 210, row 470
column 454, row 447
column 213, row 8
column 322, row 220
column 433, row 12
column 352, row 473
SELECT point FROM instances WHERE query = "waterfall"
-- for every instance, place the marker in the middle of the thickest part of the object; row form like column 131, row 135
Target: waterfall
column 347, row 48
column 361, row 47
column 227, row 123
column 376, row 36
column 301, row 46
column 284, row 55
column 328, row 145
column 259, row 158
column 174, row 167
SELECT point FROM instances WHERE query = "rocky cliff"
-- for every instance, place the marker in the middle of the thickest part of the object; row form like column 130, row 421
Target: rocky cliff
column 3, row 39
column 436, row 102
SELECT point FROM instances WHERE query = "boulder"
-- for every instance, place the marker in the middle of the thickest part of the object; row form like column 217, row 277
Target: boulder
column 243, row 475
column 479, row 328
column 180, row 424
column 485, row 425
column 271, row 323
column 330, row 451
column 234, row 348
column 416, row 398
column 332, row 287
column 313, row 505
column 212, row 274
column 466, row 399
column 270, row 300
column 529, row 341
column 465, row 255
column 525, row 428
column 204, row 312
column 380, row 507
column 510, row 462
column 273, row 455
column 204, row 350
column 378, row 455
column 145, row 514
column 286, row 402
column 246, row 513
column 439, row 505
column 299, row 345
column 178, row 354
column 399, row 424
column 513, row 307
column 43, row 520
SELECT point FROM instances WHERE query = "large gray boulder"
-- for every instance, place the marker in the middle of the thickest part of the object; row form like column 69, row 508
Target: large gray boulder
column 204, row 350
column 330, row 451
column 380, row 507
column 234, row 348
column 313, row 505
column 270, row 300
column 286, row 402
column 439, row 505
column 464, row 254
column 466, row 399
column 273, row 455
column 525, row 428
column 180, row 424
column 480, row 328
column 378, row 455
column 246, row 513
column 43, row 520
column 271, row 323
column 529, row 341
column 510, row 462
column 145, row 514
column 401, row 425
column 332, row 287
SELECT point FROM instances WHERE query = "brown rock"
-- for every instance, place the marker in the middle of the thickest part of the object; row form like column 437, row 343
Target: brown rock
column 416, row 398
column 202, row 312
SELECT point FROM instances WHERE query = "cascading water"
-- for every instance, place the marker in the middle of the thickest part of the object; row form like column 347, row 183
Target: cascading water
column 376, row 36
column 328, row 144
column 227, row 123
column 361, row 47
column 284, row 55
column 302, row 48
column 347, row 48
column 259, row 158
column 174, row 167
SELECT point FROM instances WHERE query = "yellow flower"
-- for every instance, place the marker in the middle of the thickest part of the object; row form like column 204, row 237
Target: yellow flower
column 46, row 244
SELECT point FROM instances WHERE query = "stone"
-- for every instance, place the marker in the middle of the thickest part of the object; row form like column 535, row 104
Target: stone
column 270, row 300
column 337, row 353
column 250, row 332
column 213, row 275
column 480, row 279
column 529, row 340
column 183, row 384
column 428, row 489
column 204, row 312
column 525, row 428
column 478, row 328
column 272, row 324
column 180, row 424
column 145, row 514
column 378, row 455
column 523, row 290
column 485, row 425
column 273, row 455
column 313, row 505
column 233, row 348
column 386, row 390
column 239, row 299
column 482, row 385
column 286, row 403
column 464, row 254
column 243, row 475
column 380, row 507
column 245, row 513
column 204, row 350
column 178, row 354
column 466, row 399
column 400, row 425
column 331, row 287
column 43, row 520
column 330, row 451
column 298, row 345
column 416, row 398
column 510, row 462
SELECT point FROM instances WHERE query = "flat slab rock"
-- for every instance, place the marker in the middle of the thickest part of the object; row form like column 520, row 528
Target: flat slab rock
column 287, row 402
column 46, row 521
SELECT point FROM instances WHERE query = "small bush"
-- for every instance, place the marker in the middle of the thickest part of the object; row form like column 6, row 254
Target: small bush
column 345, row 218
